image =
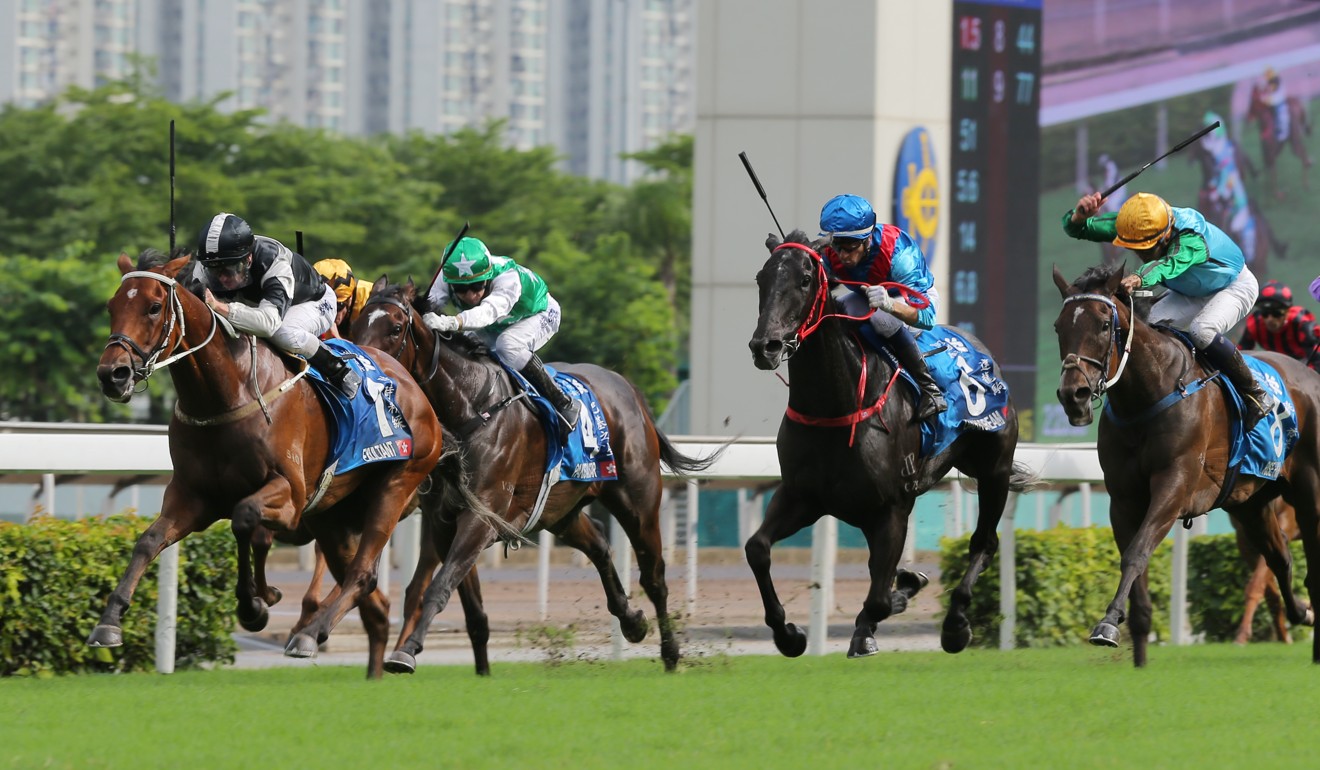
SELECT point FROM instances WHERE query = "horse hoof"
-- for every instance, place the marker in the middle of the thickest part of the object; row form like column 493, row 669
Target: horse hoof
column 634, row 627
column 862, row 646
column 106, row 636
column 400, row 662
column 1105, row 635
column 955, row 635
column 301, row 646
column 255, row 617
column 1308, row 619
column 792, row 642
column 898, row 602
column 911, row 582
column 273, row 595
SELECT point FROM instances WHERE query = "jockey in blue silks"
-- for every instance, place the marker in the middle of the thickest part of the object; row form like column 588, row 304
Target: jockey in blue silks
column 861, row 250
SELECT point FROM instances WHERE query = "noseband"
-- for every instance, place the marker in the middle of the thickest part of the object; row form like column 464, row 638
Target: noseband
column 1075, row 360
column 149, row 363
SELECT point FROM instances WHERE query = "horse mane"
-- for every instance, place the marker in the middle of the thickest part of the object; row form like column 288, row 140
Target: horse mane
column 798, row 236
column 1095, row 280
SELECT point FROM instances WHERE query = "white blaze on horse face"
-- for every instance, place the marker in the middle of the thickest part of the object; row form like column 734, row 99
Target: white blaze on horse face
column 375, row 315
column 131, row 293
column 1077, row 314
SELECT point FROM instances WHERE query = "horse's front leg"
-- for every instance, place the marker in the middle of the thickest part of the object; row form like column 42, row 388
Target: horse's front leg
column 1137, row 532
column 885, row 542
column 180, row 516
column 262, row 540
column 272, row 502
column 785, row 515
column 992, row 494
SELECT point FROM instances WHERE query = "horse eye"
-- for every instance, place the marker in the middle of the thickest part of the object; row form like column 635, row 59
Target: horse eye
column 396, row 330
column 154, row 309
column 806, row 281
column 1104, row 327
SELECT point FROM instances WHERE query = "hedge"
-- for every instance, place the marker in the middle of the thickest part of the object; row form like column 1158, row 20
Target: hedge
column 56, row 575
column 1066, row 578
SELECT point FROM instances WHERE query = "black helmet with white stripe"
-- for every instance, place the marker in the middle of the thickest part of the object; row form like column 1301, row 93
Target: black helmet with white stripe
column 226, row 238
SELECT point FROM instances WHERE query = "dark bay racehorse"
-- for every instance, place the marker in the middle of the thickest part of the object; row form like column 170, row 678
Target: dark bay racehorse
column 872, row 482
column 1299, row 127
column 505, row 449
column 1166, row 461
column 249, row 442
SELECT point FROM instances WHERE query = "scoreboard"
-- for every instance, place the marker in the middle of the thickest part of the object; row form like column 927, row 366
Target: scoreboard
column 995, row 206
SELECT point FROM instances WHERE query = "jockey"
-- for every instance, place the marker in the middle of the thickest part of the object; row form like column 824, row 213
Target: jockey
column 1209, row 288
column 510, row 308
column 1277, row 325
column 1227, row 186
column 861, row 250
column 1276, row 98
column 268, row 291
column 350, row 294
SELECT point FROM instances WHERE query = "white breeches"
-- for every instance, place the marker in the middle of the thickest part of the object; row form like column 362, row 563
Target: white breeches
column 516, row 344
column 1204, row 317
column 304, row 324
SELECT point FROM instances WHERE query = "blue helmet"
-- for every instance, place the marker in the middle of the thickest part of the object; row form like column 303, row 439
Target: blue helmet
column 847, row 216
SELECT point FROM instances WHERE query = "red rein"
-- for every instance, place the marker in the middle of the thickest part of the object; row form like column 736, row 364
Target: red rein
column 816, row 316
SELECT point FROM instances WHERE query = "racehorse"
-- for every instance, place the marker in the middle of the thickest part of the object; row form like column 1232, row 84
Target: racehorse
column 505, row 449
column 1164, row 445
column 249, row 440
column 1219, row 213
column 1261, row 584
column 1299, row 124
column 870, row 479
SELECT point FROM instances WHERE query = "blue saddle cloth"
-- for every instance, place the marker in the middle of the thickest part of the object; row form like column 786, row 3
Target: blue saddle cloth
column 370, row 428
column 587, row 455
column 1261, row 451
column 978, row 400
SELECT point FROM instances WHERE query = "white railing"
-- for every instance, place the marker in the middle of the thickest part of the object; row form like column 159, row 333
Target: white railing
column 38, row 452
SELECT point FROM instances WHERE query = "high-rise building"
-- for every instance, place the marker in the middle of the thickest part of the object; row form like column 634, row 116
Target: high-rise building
column 49, row 45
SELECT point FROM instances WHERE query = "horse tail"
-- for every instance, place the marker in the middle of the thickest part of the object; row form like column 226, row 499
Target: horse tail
column 1024, row 479
column 678, row 462
column 454, row 478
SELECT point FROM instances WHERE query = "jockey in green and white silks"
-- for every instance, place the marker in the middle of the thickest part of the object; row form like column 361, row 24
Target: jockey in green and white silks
column 508, row 307
column 1227, row 186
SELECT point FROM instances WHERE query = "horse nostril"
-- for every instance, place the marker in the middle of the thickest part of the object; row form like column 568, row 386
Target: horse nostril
column 1082, row 395
column 773, row 347
column 121, row 374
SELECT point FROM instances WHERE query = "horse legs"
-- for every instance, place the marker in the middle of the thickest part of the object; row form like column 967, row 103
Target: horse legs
column 885, row 542
column 336, row 552
column 784, row 515
column 580, row 532
column 180, row 516
column 992, row 494
column 311, row 601
column 1278, row 616
column 272, row 502
column 262, row 540
column 1136, row 543
column 1260, row 526
column 1253, row 593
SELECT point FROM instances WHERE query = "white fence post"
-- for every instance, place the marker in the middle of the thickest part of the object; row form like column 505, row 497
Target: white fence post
column 167, row 608
column 545, row 541
column 1179, row 628
column 1008, row 575
column 693, row 517
column 824, row 553
column 623, row 565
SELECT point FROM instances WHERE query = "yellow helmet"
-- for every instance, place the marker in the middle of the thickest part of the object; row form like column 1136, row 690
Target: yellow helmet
column 1143, row 221
column 339, row 275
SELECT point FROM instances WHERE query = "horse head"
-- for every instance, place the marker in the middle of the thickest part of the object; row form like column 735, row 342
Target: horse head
column 793, row 291
column 1092, row 341
column 146, row 322
column 389, row 321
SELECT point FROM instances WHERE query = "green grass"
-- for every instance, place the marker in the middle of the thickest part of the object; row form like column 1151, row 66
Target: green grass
column 1205, row 706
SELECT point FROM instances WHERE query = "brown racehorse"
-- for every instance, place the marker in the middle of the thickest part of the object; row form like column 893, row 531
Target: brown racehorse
column 1261, row 584
column 871, row 483
column 1271, row 147
column 505, row 448
column 249, row 442
column 1164, row 444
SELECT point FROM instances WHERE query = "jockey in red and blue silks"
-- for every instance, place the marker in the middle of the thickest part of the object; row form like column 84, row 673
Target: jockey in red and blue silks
column 861, row 250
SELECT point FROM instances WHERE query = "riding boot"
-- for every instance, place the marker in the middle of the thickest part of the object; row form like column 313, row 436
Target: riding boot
column 336, row 371
column 931, row 399
column 567, row 407
column 1224, row 356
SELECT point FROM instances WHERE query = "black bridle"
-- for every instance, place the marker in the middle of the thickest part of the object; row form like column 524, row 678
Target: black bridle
column 149, row 363
column 1103, row 381
column 408, row 313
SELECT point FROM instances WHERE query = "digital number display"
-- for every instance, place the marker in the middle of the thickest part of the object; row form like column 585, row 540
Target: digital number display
column 995, row 207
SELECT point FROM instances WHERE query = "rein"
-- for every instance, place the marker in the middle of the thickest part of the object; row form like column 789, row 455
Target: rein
column 412, row 332
column 1075, row 360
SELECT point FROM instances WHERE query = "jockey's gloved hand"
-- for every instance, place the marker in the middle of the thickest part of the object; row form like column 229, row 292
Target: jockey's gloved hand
column 879, row 298
column 441, row 323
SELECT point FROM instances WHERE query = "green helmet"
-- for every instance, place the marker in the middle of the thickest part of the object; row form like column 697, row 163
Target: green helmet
column 469, row 262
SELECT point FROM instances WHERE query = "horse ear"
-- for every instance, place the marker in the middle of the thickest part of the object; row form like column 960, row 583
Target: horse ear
column 380, row 284
column 772, row 242
column 409, row 290
column 1116, row 278
column 125, row 263
column 1061, row 282
column 173, row 267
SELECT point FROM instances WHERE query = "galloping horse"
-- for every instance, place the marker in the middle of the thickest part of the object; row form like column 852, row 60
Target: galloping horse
column 1219, row 213
column 1261, row 584
column 1164, row 445
column 505, row 450
column 249, row 442
column 871, row 482
column 1270, row 146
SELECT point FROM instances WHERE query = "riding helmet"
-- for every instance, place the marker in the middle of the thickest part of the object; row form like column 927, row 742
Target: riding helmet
column 847, row 216
column 1274, row 294
column 468, row 262
column 1143, row 221
column 339, row 275
column 226, row 238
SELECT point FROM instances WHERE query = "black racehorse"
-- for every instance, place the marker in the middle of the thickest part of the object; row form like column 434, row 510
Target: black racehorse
column 1164, row 446
column 505, row 448
column 873, row 480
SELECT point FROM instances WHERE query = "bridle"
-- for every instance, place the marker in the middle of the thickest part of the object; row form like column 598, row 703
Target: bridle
column 149, row 360
column 816, row 315
column 380, row 299
column 1103, row 381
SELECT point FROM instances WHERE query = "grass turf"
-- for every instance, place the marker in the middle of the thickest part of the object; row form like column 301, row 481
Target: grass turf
column 1208, row 705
